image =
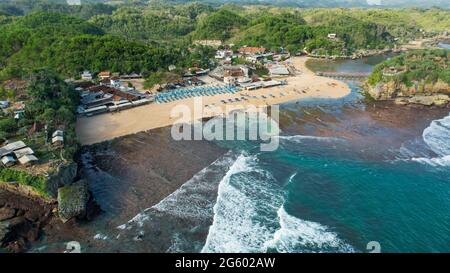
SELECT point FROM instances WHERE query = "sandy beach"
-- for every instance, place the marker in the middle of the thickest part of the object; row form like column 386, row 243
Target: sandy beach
column 305, row 84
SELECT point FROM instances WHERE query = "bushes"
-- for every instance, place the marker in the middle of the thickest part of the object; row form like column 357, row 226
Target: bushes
column 430, row 66
column 38, row 183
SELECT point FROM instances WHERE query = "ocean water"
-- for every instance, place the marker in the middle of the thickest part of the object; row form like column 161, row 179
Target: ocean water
column 315, row 195
column 346, row 174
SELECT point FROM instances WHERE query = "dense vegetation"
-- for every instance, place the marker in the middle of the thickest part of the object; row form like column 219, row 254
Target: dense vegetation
column 69, row 46
column 158, row 24
column 24, row 7
column 220, row 25
column 427, row 66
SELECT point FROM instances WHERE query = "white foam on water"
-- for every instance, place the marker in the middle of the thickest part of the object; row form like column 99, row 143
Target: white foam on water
column 437, row 136
column 188, row 201
column 292, row 177
column 100, row 236
column 249, row 217
column 301, row 138
column 435, row 162
column 297, row 235
column 242, row 220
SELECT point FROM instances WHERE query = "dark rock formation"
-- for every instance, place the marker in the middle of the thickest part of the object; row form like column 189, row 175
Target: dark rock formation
column 72, row 200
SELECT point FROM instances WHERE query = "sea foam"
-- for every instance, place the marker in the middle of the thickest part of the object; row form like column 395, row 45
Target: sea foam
column 437, row 137
column 296, row 235
column 249, row 217
column 242, row 214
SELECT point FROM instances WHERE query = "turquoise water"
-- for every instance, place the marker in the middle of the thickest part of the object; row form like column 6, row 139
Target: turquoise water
column 330, row 194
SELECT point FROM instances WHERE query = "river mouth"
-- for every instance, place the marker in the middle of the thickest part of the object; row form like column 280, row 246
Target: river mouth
column 341, row 164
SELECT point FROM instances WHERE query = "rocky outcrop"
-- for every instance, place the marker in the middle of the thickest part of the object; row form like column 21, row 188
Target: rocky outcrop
column 21, row 219
column 63, row 175
column 436, row 100
column 73, row 200
column 436, row 94
column 7, row 213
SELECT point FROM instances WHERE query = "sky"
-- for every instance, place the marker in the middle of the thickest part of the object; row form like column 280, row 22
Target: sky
column 74, row 2
column 374, row 2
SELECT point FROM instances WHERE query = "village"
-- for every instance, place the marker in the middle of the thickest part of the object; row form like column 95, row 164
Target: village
column 109, row 92
column 233, row 79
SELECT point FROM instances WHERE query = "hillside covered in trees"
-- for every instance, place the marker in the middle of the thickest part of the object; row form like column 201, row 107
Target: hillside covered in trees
column 165, row 24
column 419, row 76
column 69, row 45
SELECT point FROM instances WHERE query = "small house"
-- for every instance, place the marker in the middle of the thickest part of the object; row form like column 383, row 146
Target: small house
column 19, row 114
column 86, row 76
column 248, row 50
column 115, row 81
column 23, row 152
column 8, row 161
column 172, row 67
column 104, row 75
column 11, row 147
column 58, row 141
column 332, row 36
column 4, row 104
column 28, row 160
column 278, row 70
column 58, row 133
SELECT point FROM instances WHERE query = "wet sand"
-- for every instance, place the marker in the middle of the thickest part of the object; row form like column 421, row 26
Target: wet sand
column 305, row 84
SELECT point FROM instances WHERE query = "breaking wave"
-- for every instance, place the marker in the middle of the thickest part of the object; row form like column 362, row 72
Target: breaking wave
column 301, row 138
column 437, row 137
column 243, row 215
column 249, row 217
column 296, row 235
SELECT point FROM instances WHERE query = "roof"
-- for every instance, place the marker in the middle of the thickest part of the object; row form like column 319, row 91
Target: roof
column 23, row 152
column 58, row 133
column 251, row 50
column 26, row 159
column 278, row 70
column 7, row 149
column 57, row 139
column 104, row 74
column 8, row 159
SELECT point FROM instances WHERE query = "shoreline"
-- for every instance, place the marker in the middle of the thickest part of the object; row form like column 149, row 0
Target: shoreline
column 305, row 84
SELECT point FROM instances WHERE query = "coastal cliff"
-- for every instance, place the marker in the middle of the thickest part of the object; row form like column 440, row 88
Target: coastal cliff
column 417, row 77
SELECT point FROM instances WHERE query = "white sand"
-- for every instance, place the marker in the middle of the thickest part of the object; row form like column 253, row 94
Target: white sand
column 306, row 84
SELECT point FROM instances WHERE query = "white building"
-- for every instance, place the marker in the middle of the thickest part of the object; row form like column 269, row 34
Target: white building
column 278, row 70
column 4, row 104
column 8, row 161
column 86, row 76
column 28, row 160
